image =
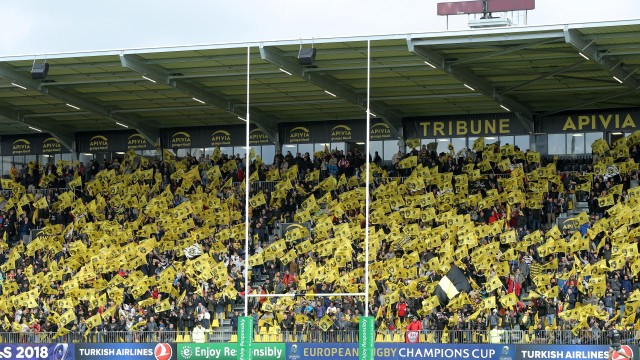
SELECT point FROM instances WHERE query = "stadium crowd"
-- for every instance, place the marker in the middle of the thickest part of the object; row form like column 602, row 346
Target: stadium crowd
column 157, row 245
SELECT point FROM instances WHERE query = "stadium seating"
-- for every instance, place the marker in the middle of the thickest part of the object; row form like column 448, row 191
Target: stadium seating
column 160, row 244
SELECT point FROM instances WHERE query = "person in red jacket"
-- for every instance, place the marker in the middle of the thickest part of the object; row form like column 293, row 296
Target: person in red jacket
column 401, row 309
column 413, row 330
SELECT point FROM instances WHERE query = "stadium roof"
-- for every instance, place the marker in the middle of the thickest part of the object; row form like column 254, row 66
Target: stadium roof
column 532, row 71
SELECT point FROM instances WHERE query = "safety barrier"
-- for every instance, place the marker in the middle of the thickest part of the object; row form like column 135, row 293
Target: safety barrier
column 304, row 351
column 566, row 337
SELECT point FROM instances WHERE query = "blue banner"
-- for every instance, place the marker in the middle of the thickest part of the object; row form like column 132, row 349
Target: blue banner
column 54, row 351
column 394, row 351
column 126, row 351
column 576, row 352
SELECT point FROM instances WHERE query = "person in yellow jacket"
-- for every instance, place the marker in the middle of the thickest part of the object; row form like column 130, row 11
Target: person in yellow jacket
column 198, row 333
column 495, row 335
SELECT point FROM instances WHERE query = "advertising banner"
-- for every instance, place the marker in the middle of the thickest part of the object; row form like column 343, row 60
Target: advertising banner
column 229, row 351
column 107, row 141
column 328, row 132
column 367, row 332
column 591, row 352
column 125, row 351
column 30, row 144
column 59, row 351
column 210, row 137
column 463, row 126
column 392, row 351
column 594, row 120
column 245, row 338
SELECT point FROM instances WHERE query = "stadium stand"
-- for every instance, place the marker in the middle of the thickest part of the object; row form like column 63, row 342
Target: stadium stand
column 143, row 249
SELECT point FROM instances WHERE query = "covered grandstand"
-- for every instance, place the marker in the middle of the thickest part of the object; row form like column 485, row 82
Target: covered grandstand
column 511, row 154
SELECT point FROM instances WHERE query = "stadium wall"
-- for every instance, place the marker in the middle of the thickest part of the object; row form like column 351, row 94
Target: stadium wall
column 303, row 351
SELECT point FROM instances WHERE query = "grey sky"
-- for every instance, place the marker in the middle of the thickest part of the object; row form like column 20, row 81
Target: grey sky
column 46, row 26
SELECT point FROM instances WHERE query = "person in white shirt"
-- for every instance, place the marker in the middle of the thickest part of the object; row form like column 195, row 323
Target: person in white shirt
column 198, row 333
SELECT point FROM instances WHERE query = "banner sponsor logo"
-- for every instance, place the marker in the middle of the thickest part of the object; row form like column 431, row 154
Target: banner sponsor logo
column 136, row 141
column 596, row 122
column 21, row 146
column 380, row 131
column 98, row 142
column 341, row 133
column 591, row 352
column 605, row 120
column 387, row 351
column 258, row 137
column 51, row 145
column 162, row 351
column 124, row 351
column 60, row 351
column 229, row 351
column 180, row 139
column 220, row 138
column 299, row 134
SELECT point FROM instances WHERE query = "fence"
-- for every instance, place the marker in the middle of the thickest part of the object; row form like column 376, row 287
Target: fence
column 560, row 337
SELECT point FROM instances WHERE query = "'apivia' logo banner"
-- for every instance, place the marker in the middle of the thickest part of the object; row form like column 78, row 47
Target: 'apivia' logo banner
column 60, row 351
column 30, row 144
column 328, row 132
column 390, row 351
column 229, row 351
column 590, row 352
column 51, row 146
column 206, row 137
column 258, row 137
column 380, row 131
column 126, row 351
column 108, row 141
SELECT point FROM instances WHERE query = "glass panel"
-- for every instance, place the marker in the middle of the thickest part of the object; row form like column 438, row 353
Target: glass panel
column 458, row 144
column 470, row 142
column 84, row 158
column 575, row 144
column 376, row 147
column 557, row 144
column 340, row 147
column 318, row 147
column 268, row 153
column 239, row 151
column 226, row 150
column 426, row 142
column 390, row 149
column 257, row 150
column 182, row 152
column 303, row 149
column 522, row 142
column 504, row 140
column 289, row 149
column 590, row 138
column 443, row 145
column 6, row 164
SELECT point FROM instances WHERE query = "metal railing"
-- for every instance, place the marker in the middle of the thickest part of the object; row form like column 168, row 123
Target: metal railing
column 565, row 337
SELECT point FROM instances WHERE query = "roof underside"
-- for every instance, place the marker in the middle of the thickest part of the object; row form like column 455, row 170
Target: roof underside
column 530, row 70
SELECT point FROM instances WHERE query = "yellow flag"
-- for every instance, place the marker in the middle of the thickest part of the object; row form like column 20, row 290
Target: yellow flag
column 325, row 323
column 493, row 284
column 412, row 143
column 509, row 301
column 409, row 162
column 75, row 182
column 478, row 144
